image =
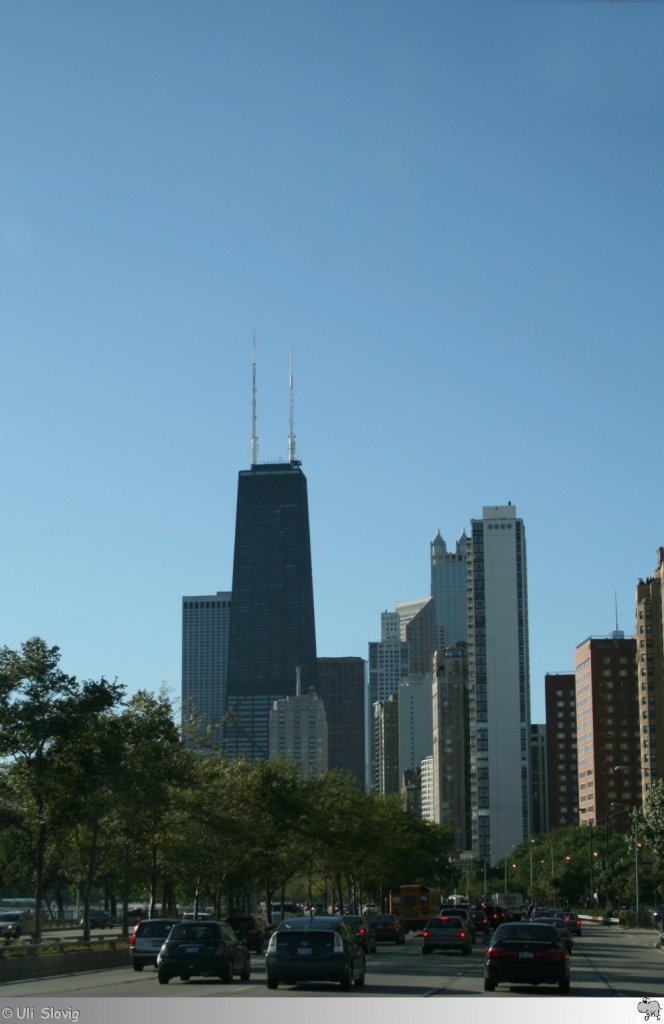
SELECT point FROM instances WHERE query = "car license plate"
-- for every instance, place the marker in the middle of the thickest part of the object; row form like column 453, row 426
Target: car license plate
column 304, row 950
column 525, row 955
column 191, row 949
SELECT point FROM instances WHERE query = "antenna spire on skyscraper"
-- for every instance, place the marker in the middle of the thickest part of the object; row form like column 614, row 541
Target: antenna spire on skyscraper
column 254, row 435
column 291, row 417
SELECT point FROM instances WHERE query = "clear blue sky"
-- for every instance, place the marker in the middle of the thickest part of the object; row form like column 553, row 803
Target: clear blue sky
column 451, row 211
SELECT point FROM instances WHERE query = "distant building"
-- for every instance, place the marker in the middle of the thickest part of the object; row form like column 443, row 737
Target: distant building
column 451, row 750
column 561, row 750
column 298, row 732
column 427, row 790
column 272, row 630
column 499, row 682
column 415, row 729
column 416, row 628
column 341, row 688
column 386, row 778
column 448, row 591
column 205, row 628
column 539, row 818
column 388, row 665
column 411, row 791
column 650, row 669
column 607, row 726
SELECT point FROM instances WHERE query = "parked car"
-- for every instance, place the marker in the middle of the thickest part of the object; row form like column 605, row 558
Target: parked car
column 446, row 932
column 465, row 914
column 480, row 920
column 250, row 930
column 364, row 932
column 318, row 948
column 658, row 917
column 207, row 948
column 525, row 952
column 14, row 923
column 387, row 928
column 98, row 919
column 147, row 939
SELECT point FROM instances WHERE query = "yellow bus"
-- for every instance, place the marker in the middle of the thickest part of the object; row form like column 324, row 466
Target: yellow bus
column 414, row 904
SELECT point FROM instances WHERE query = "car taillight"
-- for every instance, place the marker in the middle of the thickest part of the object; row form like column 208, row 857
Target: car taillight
column 497, row 953
column 360, row 931
column 338, row 943
column 132, row 939
column 426, row 934
column 272, row 944
column 391, row 925
column 460, row 935
column 551, row 954
column 164, row 950
column 220, row 950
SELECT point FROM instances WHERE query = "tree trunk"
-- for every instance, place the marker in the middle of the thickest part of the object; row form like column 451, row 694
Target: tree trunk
column 42, row 839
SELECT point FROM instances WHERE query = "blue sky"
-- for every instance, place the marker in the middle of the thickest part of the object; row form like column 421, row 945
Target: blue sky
column 451, row 212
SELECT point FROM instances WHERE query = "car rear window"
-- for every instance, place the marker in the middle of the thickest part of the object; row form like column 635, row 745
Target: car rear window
column 307, row 924
column 526, row 933
column 154, row 929
column 191, row 930
column 293, row 943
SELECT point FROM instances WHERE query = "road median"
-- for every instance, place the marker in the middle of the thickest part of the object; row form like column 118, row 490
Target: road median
column 46, row 959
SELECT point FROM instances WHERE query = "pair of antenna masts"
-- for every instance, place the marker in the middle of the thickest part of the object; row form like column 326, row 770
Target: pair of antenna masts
column 291, row 412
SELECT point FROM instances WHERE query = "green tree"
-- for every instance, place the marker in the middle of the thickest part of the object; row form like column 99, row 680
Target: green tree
column 43, row 712
column 152, row 767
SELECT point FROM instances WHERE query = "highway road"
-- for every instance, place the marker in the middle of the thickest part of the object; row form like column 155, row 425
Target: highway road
column 606, row 962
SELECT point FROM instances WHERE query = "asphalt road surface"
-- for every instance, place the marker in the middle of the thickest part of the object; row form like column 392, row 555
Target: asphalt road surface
column 606, row 961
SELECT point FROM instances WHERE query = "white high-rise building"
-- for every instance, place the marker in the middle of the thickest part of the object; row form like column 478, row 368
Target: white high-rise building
column 205, row 631
column 415, row 731
column 499, row 683
column 426, row 789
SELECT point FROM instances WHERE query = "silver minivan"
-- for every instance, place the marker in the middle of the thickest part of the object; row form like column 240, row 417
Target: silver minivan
column 148, row 938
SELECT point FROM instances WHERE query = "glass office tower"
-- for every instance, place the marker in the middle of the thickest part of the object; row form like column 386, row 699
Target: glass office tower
column 272, row 630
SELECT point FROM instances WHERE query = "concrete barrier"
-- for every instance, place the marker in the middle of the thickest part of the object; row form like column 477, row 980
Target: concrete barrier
column 67, row 961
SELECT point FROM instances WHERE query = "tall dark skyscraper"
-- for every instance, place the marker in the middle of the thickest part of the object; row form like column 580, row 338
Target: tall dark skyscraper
column 272, row 630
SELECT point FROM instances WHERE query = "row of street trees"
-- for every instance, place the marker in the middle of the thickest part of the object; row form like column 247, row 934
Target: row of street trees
column 99, row 793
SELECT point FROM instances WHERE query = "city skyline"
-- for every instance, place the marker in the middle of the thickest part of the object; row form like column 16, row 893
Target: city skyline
column 451, row 214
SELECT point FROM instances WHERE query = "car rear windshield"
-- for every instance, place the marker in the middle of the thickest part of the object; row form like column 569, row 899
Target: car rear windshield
column 155, row 929
column 307, row 924
column 193, row 931
column 9, row 917
column 526, row 933
column 295, row 943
